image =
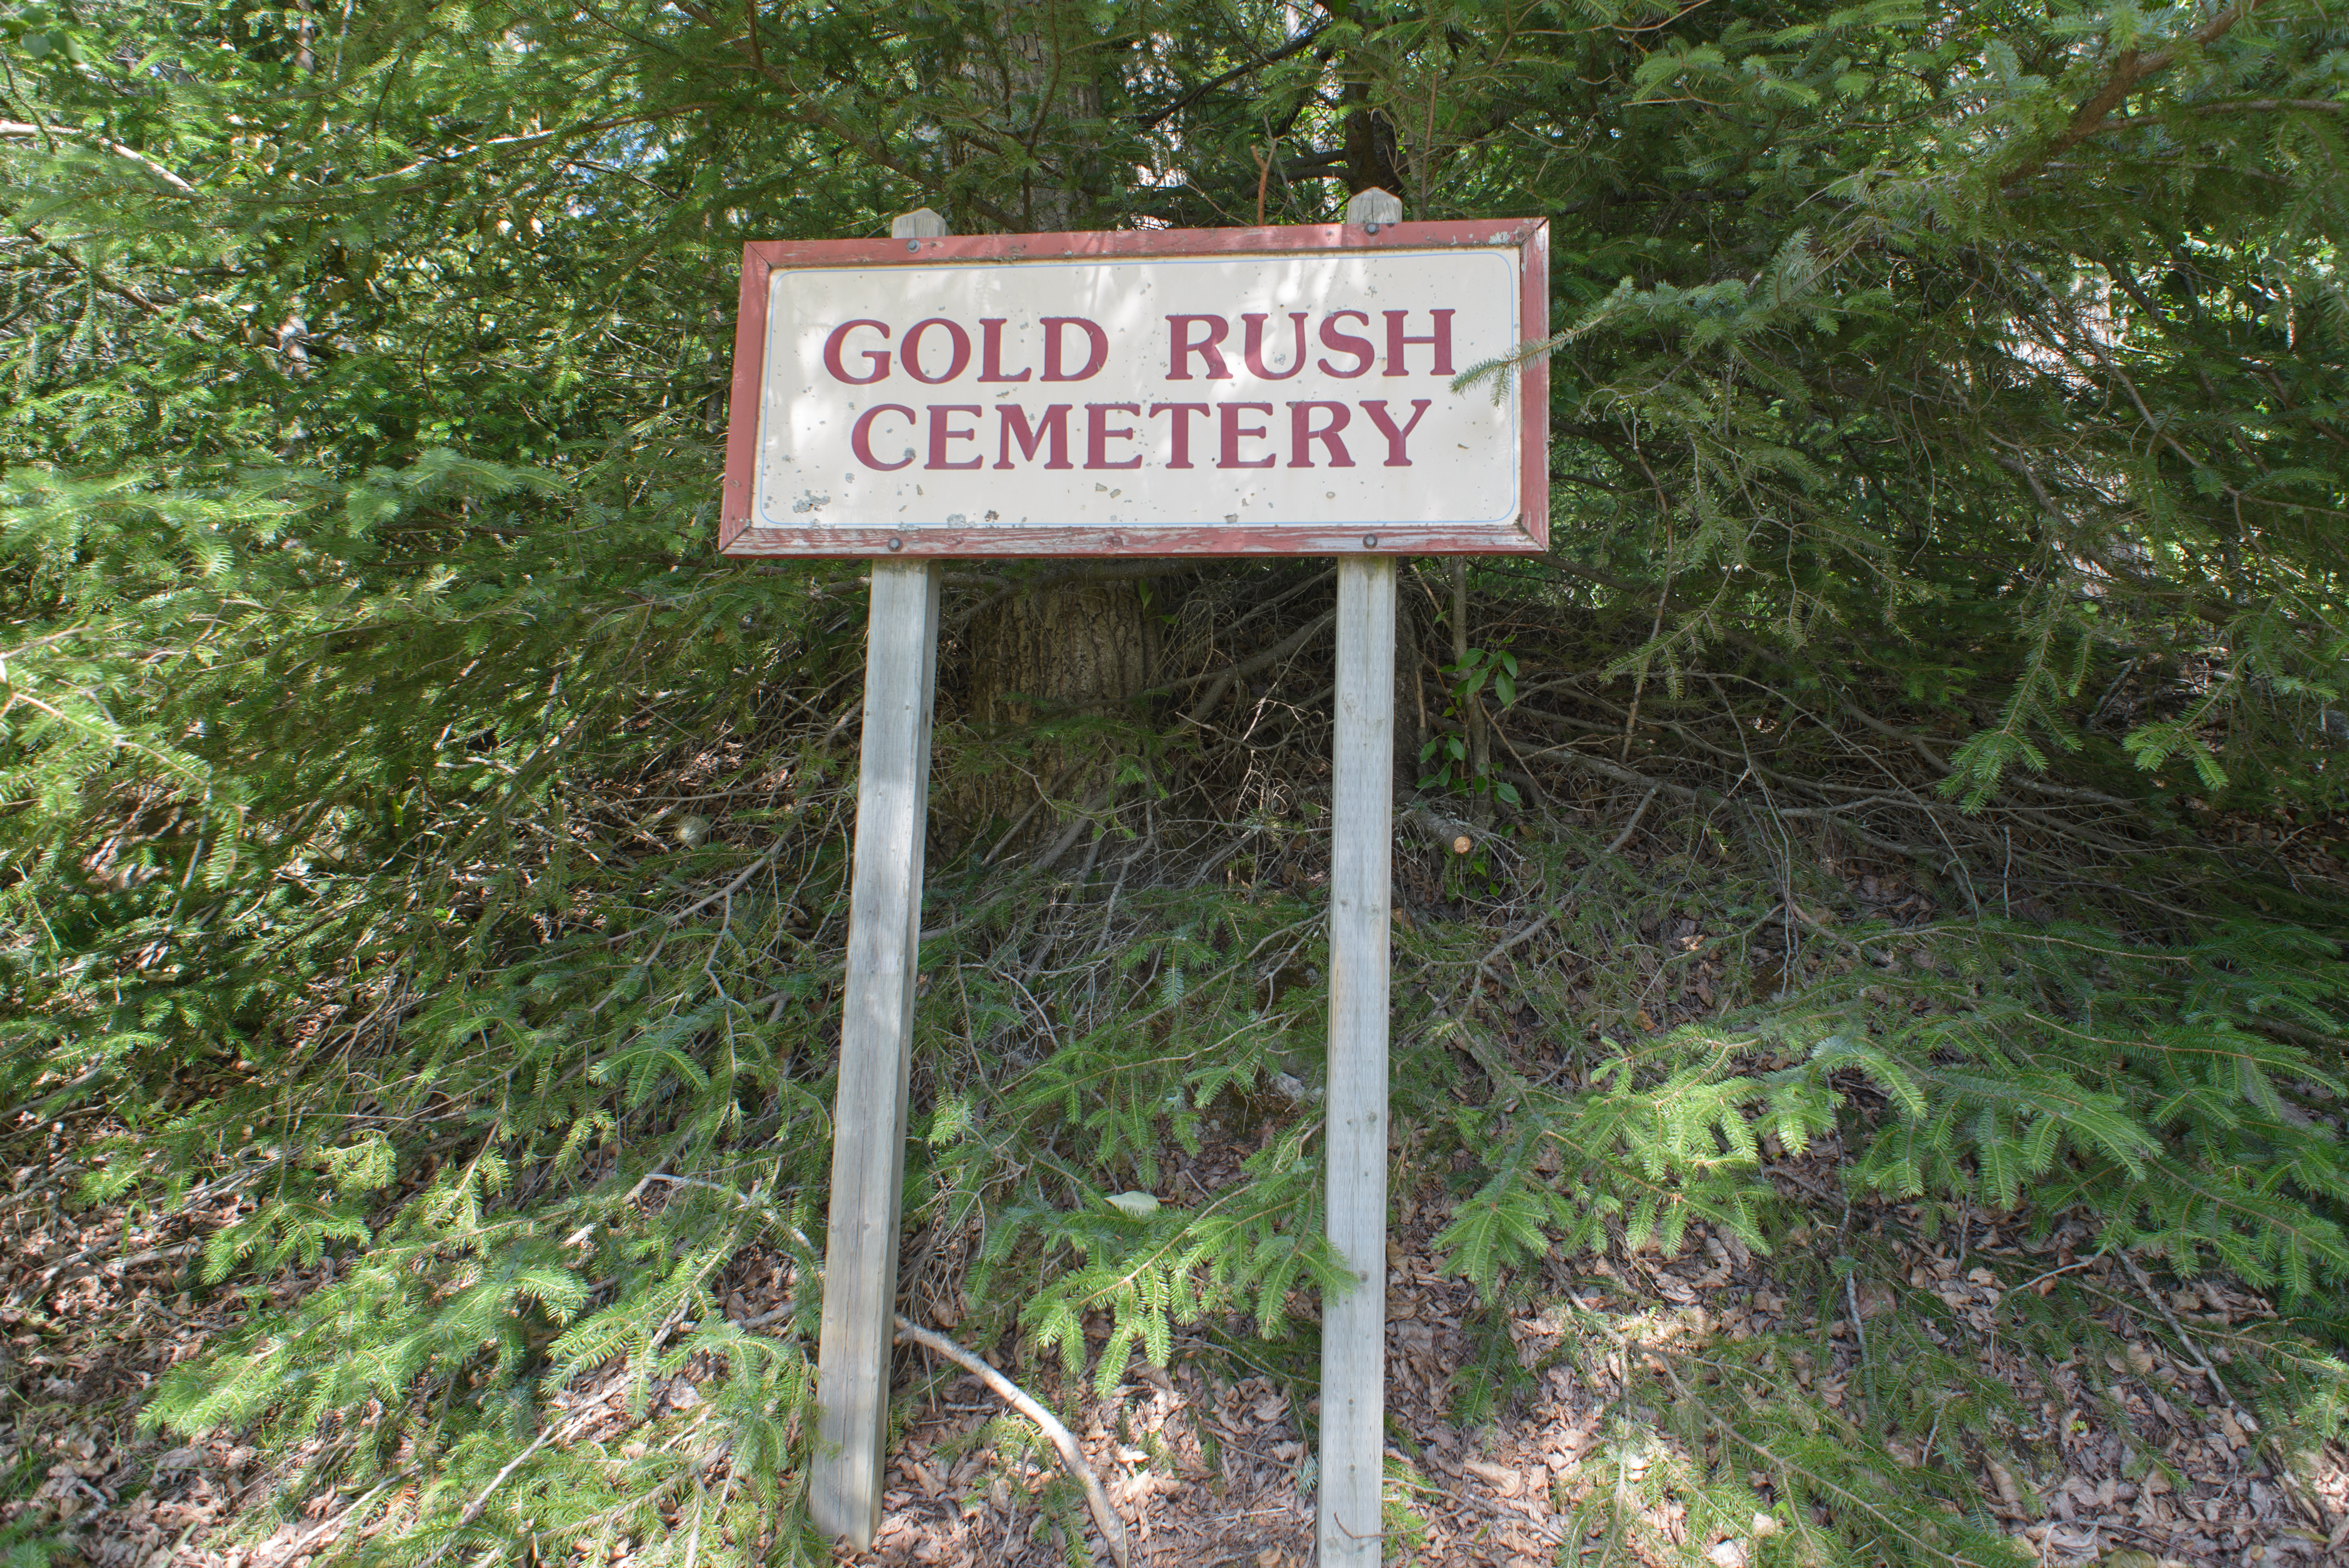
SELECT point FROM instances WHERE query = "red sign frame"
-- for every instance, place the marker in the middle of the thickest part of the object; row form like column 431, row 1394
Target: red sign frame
column 1400, row 536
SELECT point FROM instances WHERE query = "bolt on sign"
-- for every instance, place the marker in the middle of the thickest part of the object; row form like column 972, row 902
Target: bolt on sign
column 1281, row 391
column 1212, row 392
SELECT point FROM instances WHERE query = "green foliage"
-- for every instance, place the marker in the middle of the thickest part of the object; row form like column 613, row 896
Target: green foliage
column 1662, row 1137
column 1987, row 1063
column 412, row 833
column 1454, row 768
column 25, row 1541
column 1854, row 1446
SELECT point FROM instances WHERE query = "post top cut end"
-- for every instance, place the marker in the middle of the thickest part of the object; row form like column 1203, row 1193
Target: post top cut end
column 1373, row 206
column 921, row 223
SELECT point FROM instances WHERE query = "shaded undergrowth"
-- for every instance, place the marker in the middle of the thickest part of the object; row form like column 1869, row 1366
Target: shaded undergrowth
column 1702, row 940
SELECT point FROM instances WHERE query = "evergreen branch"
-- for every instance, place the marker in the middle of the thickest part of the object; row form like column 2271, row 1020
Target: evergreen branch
column 95, row 273
column 472, row 1511
column 390, row 179
column 2271, row 106
column 19, row 128
column 2130, row 71
column 1298, row 45
column 1847, row 1495
column 809, row 112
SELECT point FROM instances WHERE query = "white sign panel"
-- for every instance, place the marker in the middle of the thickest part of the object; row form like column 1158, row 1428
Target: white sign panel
column 1212, row 400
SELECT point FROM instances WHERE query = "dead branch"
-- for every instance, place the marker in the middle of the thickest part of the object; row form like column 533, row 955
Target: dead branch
column 1112, row 1528
column 1533, row 927
column 17, row 129
column 2129, row 72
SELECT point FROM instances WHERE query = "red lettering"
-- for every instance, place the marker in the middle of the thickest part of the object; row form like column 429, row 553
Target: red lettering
column 1440, row 339
column 1234, row 435
column 911, row 356
column 1180, row 347
column 941, row 432
column 990, row 352
column 1100, row 433
column 1347, row 343
column 1254, row 352
column 1396, row 458
column 877, row 358
column 859, row 437
column 1053, row 424
column 1302, row 435
column 1182, row 428
column 1095, row 337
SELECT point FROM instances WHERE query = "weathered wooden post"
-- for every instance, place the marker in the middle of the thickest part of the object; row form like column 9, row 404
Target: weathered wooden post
column 1361, row 806
column 1354, row 1325
column 876, row 1034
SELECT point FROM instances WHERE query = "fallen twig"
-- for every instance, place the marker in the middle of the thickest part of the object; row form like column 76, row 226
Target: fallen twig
column 1221, row 681
column 1085, row 819
column 1043, row 798
column 730, row 889
column 1541, row 921
column 2244, row 1417
column 309, row 1539
column 1112, row 1528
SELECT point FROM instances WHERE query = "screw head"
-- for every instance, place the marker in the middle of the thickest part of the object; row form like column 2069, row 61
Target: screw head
column 1369, row 228
column 1370, row 542
column 896, row 542
column 913, row 245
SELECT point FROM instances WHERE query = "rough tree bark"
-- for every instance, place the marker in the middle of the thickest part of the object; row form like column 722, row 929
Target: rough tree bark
column 1372, row 154
column 1080, row 648
column 1083, row 647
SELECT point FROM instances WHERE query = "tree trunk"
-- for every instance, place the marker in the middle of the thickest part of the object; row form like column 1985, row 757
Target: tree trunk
column 1048, row 67
column 1080, row 646
column 1371, row 161
column 1082, row 649
column 1068, row 652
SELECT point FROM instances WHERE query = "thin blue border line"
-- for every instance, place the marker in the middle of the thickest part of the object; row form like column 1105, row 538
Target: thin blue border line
column 774, row 276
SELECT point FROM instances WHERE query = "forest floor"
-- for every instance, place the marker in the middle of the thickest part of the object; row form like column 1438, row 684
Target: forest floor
column 2119, row 1438
column 2145, row 1457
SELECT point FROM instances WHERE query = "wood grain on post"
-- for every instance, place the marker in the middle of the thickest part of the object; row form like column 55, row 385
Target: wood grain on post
column 1362, row 799
column 876, row 1038
column 1354, row 1325
column 1373, row 206
column 921, row 223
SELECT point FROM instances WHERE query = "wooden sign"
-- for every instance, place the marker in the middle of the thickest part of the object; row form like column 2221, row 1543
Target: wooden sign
column 1223, row 392
column 1217, row 392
